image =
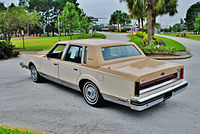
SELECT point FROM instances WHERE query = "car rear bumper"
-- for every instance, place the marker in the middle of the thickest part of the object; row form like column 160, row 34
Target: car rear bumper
column 156, row 98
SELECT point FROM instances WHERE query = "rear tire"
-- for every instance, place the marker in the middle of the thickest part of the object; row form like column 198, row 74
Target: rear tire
column 92, row 95
column 35, row 76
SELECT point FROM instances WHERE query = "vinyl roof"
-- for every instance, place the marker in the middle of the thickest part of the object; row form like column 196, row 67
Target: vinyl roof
column 96, row 42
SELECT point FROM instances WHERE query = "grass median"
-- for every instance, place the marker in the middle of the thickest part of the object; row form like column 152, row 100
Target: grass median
column 169, row 42
column 188, row 35
column 45, row 43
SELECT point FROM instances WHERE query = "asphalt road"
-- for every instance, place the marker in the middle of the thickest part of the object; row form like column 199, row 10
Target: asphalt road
column 50, row 107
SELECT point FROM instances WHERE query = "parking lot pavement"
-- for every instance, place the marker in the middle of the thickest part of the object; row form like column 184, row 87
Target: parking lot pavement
column 53, row 108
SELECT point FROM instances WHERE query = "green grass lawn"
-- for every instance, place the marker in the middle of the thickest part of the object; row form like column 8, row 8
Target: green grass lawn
column 45, row 43
column 188, row 35
column 4, row 130
column 169, row 42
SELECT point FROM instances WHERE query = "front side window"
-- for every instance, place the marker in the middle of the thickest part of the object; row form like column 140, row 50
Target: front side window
column 74, row 54
column 115, row 52
column 57, row 52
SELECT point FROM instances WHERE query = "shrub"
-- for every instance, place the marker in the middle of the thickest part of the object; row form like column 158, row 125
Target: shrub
column 157, row 46
column 155, row 41
column 112, row 28
column 141, row 34
column 183, row 34
column 7, row 50
column 158, row 50
column 123, row 30
column 166, row 30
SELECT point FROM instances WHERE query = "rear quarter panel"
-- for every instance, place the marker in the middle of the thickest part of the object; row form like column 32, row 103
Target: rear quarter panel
column 109, row 84
column 29, row 58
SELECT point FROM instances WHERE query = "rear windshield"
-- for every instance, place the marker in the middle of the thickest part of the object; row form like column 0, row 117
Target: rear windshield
column 115, row 52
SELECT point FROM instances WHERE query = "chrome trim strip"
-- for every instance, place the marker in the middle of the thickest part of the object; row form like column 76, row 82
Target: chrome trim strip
column 22, row 65
column 64, row 83
column 156, row 86
column 161, row 92
column 143, row 107
column 115, row 99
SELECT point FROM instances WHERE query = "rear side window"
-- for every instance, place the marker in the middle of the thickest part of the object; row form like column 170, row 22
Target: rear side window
column 116, row 52
column 85, row 55
column 74, row 54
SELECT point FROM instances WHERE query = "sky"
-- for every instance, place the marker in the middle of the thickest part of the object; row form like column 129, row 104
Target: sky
column 104, row 8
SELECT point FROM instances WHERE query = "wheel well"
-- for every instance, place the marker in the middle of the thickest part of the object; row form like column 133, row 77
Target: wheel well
column 30, row 64
column 82, row 82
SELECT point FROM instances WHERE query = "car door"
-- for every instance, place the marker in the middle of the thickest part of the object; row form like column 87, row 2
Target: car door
column 50, row 63
column 69, row 68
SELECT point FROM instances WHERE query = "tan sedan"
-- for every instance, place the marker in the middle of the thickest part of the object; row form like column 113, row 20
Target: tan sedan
column 108, row 70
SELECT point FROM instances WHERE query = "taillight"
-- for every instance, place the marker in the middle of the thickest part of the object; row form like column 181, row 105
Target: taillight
column 137, row 88
column 158, row 81
column 182, row 73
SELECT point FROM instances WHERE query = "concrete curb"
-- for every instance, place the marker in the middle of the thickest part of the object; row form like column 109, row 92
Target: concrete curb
column 171, row 57
column 179, row 55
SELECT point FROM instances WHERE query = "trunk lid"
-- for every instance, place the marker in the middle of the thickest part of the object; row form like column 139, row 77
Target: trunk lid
column 143, row 70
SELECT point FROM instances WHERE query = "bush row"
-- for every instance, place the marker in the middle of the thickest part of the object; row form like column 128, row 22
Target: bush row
column 156, row 49
column 7, row 50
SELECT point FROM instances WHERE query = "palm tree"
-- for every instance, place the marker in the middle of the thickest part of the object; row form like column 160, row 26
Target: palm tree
column 137, row 10
column 118, row 17
column 134, row 8
column 162, row 7
column 153, row 8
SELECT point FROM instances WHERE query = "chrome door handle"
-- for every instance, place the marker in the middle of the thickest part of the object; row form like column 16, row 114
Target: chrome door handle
column 55, row 63
column 75, row 69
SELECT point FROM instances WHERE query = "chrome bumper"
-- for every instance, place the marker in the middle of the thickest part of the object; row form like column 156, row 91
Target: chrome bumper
column 22, row 65
column 156, row 98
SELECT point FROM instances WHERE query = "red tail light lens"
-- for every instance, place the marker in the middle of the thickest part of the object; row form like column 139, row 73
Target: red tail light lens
column 158, row 81
column 182, row 73
column 139, row 86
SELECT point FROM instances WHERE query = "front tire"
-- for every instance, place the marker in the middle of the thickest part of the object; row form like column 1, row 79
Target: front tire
column 92, row 95
column 35, row 76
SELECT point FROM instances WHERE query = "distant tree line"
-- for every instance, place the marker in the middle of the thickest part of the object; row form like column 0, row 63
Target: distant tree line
column 192, row 18
column 47, row 10
column 191, row 23
column 36, row 17
column 15, row 19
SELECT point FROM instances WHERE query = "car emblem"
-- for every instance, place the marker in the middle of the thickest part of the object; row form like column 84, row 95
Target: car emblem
column 162, row 73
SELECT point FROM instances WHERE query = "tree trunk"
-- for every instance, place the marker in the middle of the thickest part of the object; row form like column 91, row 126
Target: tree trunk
column 40, row 31
column 118, row 27
column 9, row 38
column 153, row 23
column 149, row 15
column 48, row 33
column 142, row 22
column 53, row 33
column 139, row 24
column 29, row 31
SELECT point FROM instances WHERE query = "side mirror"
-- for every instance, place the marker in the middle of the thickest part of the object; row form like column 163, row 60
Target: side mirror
column 48, row 55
